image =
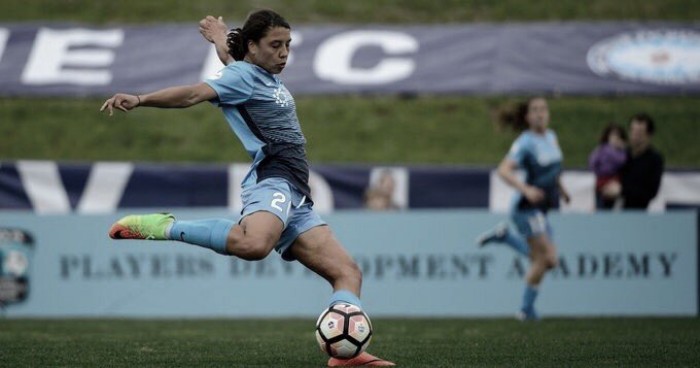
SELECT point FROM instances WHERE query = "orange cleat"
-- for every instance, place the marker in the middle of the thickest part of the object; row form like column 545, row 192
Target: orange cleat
column 364, row 359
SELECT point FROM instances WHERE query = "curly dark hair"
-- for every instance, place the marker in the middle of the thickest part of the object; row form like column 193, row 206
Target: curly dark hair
column 255, row 27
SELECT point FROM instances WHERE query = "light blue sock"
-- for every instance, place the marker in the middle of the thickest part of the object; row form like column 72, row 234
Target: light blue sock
column 517, row 242
column 210, row 234
column 529, row 297
column 344, row 296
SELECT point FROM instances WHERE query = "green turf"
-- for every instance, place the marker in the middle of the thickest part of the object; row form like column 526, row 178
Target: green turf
column 361, row 11
column 341, row 129
column 409, row 342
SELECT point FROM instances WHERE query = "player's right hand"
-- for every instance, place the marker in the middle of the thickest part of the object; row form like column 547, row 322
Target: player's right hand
column 533, row 195
column 120, row 101
column 212, row 28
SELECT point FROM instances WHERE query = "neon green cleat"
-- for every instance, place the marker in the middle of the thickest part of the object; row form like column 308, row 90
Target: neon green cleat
column 150, row 227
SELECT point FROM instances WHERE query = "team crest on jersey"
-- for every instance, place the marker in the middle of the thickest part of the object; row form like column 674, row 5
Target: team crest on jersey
column 282, row 96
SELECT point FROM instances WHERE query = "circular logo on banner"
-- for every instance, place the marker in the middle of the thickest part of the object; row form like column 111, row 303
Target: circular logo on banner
column 659, row 57
column 16, row 251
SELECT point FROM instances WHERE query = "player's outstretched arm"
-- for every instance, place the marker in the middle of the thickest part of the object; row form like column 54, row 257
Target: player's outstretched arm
column 121, row 101
column 173, row 97
column 215, row 31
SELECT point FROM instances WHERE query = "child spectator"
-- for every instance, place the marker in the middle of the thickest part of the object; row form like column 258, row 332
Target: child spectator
column 606, row 161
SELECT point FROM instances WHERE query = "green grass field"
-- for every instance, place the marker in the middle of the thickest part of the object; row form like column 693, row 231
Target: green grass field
column 342, row 129
column 409, row 342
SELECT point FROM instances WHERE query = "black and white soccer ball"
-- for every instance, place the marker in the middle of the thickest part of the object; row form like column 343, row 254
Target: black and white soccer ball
column 343, row 331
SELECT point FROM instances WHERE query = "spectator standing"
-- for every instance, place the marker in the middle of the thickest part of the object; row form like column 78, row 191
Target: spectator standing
column 379, row 196
column 641, row 174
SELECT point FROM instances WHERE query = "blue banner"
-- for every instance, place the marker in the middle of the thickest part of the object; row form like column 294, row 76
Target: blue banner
column 418, row 263
column 48, row 187
column 59, row 59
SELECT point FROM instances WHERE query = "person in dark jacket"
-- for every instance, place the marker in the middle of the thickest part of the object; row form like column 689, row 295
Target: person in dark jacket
column 641, row 175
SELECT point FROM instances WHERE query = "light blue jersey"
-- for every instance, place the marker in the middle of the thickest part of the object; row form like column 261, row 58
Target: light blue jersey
column 262, row 113
column 540, row 157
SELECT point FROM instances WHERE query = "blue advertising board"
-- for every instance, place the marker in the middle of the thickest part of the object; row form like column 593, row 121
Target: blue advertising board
column 414, row 263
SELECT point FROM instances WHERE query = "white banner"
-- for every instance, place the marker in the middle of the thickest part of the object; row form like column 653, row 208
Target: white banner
column 680, row 189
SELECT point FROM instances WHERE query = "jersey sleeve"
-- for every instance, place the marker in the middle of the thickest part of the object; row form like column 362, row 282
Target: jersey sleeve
column 233, row 85
column 518, row 150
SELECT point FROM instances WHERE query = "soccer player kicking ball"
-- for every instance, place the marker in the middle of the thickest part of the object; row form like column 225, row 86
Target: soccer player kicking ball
column 277, row 207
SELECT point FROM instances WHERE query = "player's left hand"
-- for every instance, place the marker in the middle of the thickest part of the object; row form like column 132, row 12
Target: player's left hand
column 212, row 28
column 120, row 101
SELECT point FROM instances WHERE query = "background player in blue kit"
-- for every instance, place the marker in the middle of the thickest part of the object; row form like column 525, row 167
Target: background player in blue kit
column 536, row 151
column 277, row 206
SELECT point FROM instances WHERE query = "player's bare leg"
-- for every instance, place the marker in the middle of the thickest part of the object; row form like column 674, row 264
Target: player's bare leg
column 543, row 257
column 321, row 252
column 253, row 239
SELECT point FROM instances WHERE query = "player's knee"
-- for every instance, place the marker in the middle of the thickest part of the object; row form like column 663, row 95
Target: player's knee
column 252, row 249
column 251, row 252
column 551, row 262
column 545, row 255
column 544, row 261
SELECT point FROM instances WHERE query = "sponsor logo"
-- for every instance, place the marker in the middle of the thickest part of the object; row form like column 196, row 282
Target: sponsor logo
column 16, row 249
column 667, row 57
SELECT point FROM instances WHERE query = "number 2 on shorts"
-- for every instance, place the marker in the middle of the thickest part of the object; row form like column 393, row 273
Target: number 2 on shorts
column 276, row 199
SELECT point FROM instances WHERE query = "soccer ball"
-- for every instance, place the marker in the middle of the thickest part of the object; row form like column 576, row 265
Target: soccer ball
column 343, row 331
